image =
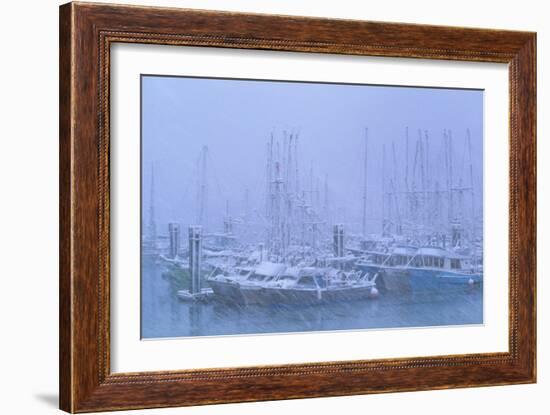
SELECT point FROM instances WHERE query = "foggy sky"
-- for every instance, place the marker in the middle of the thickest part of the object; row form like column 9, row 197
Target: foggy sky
column 235, row 119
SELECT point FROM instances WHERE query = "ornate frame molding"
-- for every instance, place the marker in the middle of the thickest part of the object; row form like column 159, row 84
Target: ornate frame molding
column 86, row 33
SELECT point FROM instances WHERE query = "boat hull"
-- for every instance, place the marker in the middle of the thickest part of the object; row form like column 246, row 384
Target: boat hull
column 308, row 296
column 394, row 279
column 252, row 294
column 418, row 279
column 431, row 280
column 227, row 291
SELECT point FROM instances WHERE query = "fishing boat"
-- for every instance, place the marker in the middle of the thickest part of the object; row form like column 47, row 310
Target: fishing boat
column 437, row 268
column 250, row 287
column 391, row 267
column 241, row 283
column 225, row 282
column 311, row 285
column 371, row 261
column 427, row 269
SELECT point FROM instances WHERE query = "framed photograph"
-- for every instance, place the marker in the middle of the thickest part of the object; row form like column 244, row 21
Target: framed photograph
column 258, row 207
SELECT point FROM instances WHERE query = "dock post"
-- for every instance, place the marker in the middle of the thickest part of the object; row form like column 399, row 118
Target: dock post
column 174, row 232
column 338, row 240
column 195, row 254
column 228, row 226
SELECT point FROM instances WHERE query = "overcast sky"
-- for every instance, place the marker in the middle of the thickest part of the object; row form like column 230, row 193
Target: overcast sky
column 235, row 119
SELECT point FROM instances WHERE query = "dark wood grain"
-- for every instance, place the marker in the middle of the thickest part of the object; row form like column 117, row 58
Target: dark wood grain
column 86, row 33
column 65, row 246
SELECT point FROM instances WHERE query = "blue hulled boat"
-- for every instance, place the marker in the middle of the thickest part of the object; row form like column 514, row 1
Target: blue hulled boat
column 409, row 268
column 436, row 268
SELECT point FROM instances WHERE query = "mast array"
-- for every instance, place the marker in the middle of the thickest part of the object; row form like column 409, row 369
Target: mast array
column 421, row 198
column 416, row 208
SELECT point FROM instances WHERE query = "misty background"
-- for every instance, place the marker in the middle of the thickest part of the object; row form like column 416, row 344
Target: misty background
column 236, row 118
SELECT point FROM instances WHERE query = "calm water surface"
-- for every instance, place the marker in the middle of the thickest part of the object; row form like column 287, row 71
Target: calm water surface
column 164, row 315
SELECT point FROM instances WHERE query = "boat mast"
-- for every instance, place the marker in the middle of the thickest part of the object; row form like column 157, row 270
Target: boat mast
column 284, row 162
column 407, row 188
column 451, row 196
column 427, row 154
column 447, row 180
column 203, row 188
column 326, row 204
column 246, row 204
column 289, row 196
column 152, row 224
column 364, row 224
column 296, row 174
column 469, row 140
column 383, row 189
column 423, row 212
column 394, row 188
column 427, row 191
column 269, row 179
column 288, row 167
column 228, row 222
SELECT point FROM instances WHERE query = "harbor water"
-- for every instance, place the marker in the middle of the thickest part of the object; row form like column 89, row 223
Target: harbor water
column 163, row 314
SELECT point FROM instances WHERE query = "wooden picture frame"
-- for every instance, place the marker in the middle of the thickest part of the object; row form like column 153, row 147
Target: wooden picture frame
column 86, row 33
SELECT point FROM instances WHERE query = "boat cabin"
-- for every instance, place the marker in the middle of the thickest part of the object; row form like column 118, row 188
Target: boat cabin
column 306, row 277
column 435, row 257
column 400, row 256
column 266, row 271
column 310, row 278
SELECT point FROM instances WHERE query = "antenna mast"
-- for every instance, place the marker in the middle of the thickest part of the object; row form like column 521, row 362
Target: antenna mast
column 365, row 183
column 203, row 187
column 152, row 225
column 469, row 139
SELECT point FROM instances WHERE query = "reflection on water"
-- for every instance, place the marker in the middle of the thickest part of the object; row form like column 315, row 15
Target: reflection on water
column 164, row 315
